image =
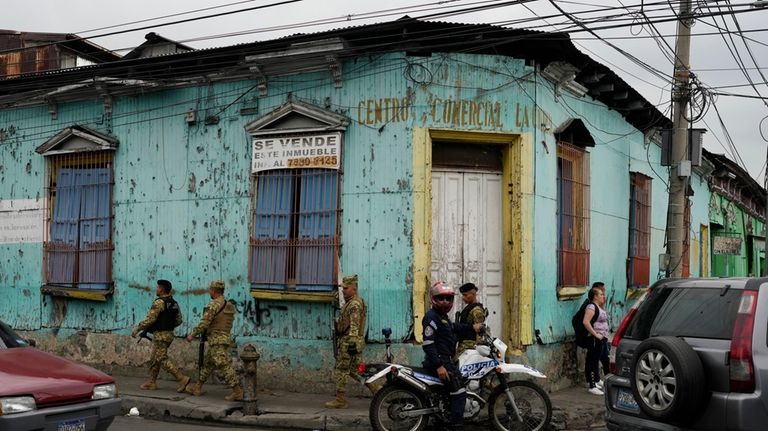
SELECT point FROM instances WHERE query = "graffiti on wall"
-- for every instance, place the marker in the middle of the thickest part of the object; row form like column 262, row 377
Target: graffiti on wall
column 259, row 313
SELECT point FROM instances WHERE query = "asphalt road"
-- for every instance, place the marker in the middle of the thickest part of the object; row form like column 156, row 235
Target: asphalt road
column 123, row 423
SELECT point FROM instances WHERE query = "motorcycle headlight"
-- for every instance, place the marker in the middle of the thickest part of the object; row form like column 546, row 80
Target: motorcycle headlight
column 11, row 405
column 103, row 392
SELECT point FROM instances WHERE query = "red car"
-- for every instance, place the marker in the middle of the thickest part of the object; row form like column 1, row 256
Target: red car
column 40, row 391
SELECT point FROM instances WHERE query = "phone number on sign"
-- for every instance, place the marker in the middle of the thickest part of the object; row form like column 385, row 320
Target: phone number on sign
column 313, row 161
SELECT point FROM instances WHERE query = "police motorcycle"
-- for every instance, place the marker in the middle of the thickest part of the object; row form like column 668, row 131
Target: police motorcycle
column 413, row 395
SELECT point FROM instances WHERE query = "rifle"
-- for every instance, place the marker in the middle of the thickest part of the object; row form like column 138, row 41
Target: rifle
column 144, row 334
column 201, row 353
column 334, row 334
column 203, row 339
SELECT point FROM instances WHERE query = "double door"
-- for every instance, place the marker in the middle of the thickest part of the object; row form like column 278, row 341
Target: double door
column 467, row 236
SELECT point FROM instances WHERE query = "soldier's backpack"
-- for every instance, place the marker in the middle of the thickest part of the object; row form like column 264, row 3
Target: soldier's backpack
column 578, row 324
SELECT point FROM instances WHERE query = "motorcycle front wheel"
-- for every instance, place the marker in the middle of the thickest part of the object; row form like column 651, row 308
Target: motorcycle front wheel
column 388, row 406
column 532, row 402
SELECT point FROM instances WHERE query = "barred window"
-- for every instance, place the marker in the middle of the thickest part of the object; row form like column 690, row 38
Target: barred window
column 639, row 256
column 573, row 207
column 294, row 242
column 77, row 248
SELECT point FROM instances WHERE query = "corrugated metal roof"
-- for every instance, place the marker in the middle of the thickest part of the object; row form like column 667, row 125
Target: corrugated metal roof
column 404, row 34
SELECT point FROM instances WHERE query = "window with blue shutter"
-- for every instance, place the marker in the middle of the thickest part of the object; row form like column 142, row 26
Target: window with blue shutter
column 78, row 250
column 295, row 239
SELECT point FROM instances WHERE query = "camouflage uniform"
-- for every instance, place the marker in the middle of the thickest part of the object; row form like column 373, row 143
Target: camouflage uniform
column 161, row 340
column 349, row 328
column 476, row 315
column 217, row 324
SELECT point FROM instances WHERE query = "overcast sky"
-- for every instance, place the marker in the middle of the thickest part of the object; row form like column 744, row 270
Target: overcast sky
column 741, row 116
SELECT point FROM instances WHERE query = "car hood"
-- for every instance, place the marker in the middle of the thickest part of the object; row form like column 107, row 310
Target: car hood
column 48, row 378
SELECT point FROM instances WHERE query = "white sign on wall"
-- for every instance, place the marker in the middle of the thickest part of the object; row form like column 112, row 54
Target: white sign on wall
column 292, row 152
column 21, row 221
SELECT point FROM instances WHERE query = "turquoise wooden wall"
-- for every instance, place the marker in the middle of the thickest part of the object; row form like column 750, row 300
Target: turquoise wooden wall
column 181, row 195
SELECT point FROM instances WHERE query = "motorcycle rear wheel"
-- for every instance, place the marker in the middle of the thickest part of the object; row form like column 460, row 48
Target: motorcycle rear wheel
column 532, row 402
column 392, row 400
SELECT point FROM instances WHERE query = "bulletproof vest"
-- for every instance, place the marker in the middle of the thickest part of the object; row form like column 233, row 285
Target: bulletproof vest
column 464, row 318
column 223, row 320
column 166, row 320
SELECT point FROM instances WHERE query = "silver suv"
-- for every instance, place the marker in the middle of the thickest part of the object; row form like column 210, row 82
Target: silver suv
column 692, row 354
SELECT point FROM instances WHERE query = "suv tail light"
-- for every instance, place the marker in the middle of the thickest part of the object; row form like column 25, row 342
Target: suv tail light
column 622, row 329
column 742, row 369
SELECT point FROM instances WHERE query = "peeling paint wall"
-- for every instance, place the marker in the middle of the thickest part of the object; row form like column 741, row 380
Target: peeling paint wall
column 182, row 201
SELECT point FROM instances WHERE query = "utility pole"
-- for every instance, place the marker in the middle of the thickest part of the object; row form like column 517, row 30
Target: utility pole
column 680, row 171
column 764, row 262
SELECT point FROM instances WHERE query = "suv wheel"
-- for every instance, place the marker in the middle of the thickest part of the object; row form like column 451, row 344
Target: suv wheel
column 667, row 379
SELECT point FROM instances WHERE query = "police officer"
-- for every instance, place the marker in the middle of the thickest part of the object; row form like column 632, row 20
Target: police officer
column 216, row 323
column 439, row 346
column 350, row 340
column 163, row 316
column 472, row 313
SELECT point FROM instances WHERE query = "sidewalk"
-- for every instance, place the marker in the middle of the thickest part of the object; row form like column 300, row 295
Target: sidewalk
column 573, row 408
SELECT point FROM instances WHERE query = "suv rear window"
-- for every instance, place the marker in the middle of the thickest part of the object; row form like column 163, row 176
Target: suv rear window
column 686, row 312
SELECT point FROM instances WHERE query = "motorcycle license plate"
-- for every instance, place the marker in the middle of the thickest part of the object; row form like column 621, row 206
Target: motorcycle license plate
column 625, row 400
column 72, row 425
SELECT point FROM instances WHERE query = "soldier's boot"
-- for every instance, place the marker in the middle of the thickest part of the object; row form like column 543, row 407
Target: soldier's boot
column 183, row 381
column 236, row 395
column 340, row 402
column 195, row 389
column 373, row 387
column 151, row 384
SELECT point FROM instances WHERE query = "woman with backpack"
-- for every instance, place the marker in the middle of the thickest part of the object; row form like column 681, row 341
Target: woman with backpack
column 597, row 338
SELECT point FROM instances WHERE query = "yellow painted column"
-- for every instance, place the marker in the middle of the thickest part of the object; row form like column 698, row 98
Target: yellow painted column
column 422, row 224
column 525, row 198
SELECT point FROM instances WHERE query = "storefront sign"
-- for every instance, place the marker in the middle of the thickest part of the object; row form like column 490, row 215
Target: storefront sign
column 291, row 152
column 21, row 221
column 730, row 245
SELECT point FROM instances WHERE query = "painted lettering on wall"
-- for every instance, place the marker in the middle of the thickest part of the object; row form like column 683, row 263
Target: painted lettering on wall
column 21, row 221
column 386, row 110
column 526, row 116
column 465, row 112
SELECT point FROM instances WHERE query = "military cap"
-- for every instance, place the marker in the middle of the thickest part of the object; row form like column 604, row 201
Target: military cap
column 466, row 287
column 217, row 284
column 349, row 280
column 165, row 284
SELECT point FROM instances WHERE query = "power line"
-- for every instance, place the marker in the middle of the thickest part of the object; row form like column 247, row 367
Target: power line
column 163, row 17
column 113, row 33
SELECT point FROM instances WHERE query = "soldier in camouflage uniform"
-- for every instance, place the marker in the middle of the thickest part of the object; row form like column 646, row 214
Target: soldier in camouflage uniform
column 350, row 329
column 216, row 324
column 162, row 318
column 472, row 313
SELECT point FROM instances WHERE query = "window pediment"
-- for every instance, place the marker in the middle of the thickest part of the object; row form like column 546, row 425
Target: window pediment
column 76, row 139
column 297, row 117
column 575, row 132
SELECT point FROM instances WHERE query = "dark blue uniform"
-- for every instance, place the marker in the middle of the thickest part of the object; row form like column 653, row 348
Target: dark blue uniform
column 439, row 336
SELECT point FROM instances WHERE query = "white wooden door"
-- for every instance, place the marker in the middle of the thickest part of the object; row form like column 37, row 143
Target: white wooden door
column 467, row 236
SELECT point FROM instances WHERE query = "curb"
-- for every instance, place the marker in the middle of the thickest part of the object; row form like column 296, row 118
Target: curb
column 181, row 409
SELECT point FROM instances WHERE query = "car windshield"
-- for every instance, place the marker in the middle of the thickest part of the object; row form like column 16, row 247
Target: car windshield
column 683, row 312
column 9, row 339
